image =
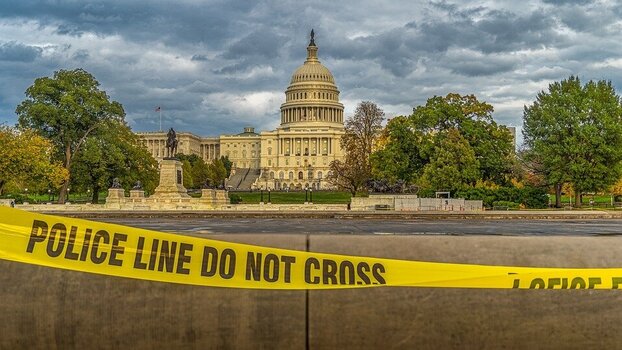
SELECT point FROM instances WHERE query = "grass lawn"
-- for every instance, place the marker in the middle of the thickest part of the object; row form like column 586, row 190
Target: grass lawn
column 599, row 200
column 292, row 197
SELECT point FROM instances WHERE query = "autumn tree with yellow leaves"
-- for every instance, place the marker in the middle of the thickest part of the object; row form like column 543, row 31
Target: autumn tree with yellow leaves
column 26, row 161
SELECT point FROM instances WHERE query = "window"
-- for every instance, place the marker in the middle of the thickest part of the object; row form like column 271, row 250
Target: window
column 291, row 175
column 319, row 175
column 269, row 150
column 300, row 175
column 281, row 175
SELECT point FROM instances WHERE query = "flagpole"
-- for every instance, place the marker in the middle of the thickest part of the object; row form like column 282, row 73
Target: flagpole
column 160, row 108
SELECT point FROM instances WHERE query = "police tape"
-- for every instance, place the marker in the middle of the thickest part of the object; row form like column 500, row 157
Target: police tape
column 109, row 249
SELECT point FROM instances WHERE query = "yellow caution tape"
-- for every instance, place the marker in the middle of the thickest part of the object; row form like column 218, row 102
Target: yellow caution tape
column 116, row 250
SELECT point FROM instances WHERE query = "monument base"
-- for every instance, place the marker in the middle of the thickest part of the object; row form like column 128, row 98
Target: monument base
column 214, row 197
column 115, row 194
column 171, row 180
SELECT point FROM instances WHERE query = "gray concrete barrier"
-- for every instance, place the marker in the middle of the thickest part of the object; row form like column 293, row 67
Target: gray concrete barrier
column 50, row 308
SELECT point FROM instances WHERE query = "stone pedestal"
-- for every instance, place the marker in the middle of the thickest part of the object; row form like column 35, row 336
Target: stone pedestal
column 115, row 195
column 215, row 197
column 136, row 194
column 171, row 180
column 115, row 198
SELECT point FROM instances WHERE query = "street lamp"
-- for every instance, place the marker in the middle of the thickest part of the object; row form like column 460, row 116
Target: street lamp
column 311, row 195
column 49, row 195
column 306, row 194
column 26, row 194
column 262, row 195
column 269, row 202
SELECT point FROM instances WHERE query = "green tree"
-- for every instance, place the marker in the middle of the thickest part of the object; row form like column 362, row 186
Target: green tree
column 196, row 172
column 114, row 151
column 67, row 109
column 217, row 172
column 410, row 143
column 492, row 144
column 575, row 132
column 453, row 165
column 26, row 161
column 361, row 132
column 398, row 156
column 187, row 169
column 227, row 164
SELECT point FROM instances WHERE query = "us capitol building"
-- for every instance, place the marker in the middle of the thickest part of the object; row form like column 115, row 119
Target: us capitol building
column 296, row 155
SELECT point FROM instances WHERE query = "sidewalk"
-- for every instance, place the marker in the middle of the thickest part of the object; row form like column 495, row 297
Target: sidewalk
column 342, row 214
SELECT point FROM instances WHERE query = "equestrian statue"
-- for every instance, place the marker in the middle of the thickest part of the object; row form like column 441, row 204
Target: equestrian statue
column 171, row 143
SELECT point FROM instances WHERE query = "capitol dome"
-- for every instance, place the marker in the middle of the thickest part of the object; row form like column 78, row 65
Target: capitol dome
column 312, row 97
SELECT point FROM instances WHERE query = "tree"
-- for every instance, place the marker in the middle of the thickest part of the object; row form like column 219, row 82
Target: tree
column 26, row 161
column 409, row 152
column 492, row 144
column 227, row 164
column 575, row 132
column 361, row 132
column 398, row 156
column 217, row 172
column 196, row 171
column 115, row 152
column 67, row 109
column 453, row 165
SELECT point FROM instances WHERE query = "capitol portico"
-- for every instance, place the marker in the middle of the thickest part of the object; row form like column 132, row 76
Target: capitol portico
column 295, row 155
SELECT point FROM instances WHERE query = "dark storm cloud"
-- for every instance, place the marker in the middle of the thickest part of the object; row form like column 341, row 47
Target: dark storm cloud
column 213, row 23
column 199, row 58
column 258, row 44
column 567, row 2
column 216, row 66
column 14, row 51
column 481, row 67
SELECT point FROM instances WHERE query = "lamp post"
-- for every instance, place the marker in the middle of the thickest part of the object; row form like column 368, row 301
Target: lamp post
column 26, row 194
column 49, row 195
column 311, row 196
column 262, row 195
column 306, row 195
column 269, row 202
column 88, row 194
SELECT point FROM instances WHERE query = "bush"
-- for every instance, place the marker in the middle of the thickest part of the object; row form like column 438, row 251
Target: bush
column 530, row 197
column 505, row 204
column 235, row 198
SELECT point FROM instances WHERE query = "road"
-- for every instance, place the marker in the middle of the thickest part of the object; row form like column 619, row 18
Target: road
column 589, row 227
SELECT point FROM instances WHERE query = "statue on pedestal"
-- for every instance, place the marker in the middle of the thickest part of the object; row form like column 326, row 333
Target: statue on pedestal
column 171, row 143
column 115, row 183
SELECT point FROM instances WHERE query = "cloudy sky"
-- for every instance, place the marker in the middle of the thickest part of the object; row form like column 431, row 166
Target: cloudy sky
column 217, row 66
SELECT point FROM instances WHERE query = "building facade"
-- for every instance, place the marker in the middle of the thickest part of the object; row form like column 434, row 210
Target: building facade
column 297, row 154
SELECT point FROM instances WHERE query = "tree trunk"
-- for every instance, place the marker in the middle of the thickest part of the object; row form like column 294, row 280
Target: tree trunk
column 2, row 182
column 577, row 199
column 558, row 195
column 95, row 198
column 62, row 196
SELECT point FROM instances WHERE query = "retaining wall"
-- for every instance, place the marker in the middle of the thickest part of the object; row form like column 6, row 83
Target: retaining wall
column 51, row 308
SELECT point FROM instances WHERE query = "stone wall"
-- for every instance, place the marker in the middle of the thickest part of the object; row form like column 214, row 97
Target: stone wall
column 53, row 308
column 412, row 203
